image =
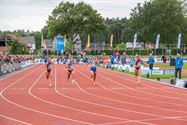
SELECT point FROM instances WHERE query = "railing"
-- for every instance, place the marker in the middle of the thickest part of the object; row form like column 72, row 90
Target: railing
column 9, row 67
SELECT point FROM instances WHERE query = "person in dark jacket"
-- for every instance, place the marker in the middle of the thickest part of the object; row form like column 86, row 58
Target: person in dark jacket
column 164, row 58
column 178, row 66
column 151, row 62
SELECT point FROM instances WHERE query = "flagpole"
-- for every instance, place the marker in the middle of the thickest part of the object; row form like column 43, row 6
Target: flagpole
column 111, row 41
column 157, row 43
column 88, row 42
column 134, row 42
column 42, row 41
column 179, row 42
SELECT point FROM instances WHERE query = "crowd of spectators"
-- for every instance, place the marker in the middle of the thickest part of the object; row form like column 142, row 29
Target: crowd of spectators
column 14, row 58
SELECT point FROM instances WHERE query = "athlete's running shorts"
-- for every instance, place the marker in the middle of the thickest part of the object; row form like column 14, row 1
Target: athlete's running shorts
column 93, row 69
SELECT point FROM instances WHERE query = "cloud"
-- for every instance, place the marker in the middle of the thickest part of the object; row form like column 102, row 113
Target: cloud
column 32, row 14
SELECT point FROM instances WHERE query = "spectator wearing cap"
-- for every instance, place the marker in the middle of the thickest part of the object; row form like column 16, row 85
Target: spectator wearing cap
column 178, row 65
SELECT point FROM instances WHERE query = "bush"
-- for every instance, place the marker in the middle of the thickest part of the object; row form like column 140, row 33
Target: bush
column 120, row 46
column 18, row 48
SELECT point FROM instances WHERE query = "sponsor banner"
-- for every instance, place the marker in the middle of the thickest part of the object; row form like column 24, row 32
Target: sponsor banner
column 11, row 67
column 123, row 67
column 42, row 61
column 158, row 60
column 180, row 83
column 157, row 72
column 168, row 72
column 39, row 61
column 59, row 43
column 144, row 72
column 1, row 69
column 25, row 63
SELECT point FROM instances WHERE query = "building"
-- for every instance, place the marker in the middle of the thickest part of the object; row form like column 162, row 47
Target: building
column 28, row 41
column 49, row 44
column 5, row 42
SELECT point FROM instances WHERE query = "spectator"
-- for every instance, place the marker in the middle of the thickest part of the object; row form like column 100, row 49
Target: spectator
column 164, row 59
column 118, row 57
column 178, row 66
column 151, row 62
column 123, row 59
column 112, row 59
column 131, row 61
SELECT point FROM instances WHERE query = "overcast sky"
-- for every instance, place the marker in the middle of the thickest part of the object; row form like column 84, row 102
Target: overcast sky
column 32, row 14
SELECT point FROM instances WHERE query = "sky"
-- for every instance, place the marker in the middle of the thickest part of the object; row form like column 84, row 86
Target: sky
column 32, row 14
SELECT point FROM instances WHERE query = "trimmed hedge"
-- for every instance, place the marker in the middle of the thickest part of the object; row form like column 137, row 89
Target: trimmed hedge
column 130, row 52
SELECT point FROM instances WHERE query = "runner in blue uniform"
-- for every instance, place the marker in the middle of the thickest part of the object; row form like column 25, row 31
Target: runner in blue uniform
column 93, row 68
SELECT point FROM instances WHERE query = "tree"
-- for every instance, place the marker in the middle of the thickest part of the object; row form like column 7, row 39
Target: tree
column 37, row 36
column 45, row 33
column 18, row 48
column 115, row 26
column 120, row 46
column 166, row 17
column 72, row 19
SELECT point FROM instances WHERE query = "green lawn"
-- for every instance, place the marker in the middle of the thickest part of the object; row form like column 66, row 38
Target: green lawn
column 152, row 76
column 167, row 65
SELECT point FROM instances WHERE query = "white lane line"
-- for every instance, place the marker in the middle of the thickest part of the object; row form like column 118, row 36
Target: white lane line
column 83, row 101
column 118, row 83
column 143, row 92
column 148, row 93
column 180, row 118
column 27, row 108
column 117, row 100
column 147, row 81
column 146, row 120
column 125, row 102
column 26, row 123
column 110, row 107
column 52, row 103
column 1, row 92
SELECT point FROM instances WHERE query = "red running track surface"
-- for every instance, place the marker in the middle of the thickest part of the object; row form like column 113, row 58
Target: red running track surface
column 116, row 99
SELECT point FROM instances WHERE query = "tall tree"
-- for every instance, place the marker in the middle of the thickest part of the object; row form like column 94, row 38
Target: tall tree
column 73, row 19
column 166, row 17
column 115, row 26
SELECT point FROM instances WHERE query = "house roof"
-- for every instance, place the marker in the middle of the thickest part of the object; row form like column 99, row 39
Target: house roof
column 27, row 40
column 8, row 37
column 3, row 49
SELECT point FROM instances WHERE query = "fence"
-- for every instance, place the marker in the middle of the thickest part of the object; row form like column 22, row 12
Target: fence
column 11, row 67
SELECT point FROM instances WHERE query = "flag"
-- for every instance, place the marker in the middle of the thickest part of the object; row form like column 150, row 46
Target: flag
column 111, row 40
column 157, row 41
column 179, row 41
column 65, row 40
column 42, row 40
column 88, row 42
column 135, row 39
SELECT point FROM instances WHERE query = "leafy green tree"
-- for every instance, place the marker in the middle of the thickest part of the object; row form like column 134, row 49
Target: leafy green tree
column 18, row 48
column 120, row 46
column 73, row 19
column 115, row 26
column 166, row 17
column 37, row 37
column 45, row 33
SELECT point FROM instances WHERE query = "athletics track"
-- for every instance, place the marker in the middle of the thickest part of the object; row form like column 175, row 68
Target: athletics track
column 116, row 99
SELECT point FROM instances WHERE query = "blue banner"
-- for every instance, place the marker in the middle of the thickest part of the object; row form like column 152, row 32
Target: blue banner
column 59, row 43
